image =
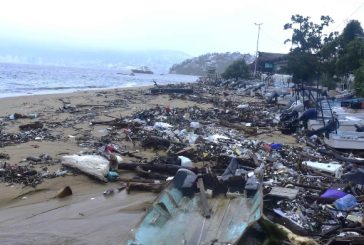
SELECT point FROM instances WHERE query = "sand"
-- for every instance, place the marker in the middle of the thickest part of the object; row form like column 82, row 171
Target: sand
column 32, row 215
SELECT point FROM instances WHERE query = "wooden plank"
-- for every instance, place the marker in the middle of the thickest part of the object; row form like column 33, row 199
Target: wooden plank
column 205, row 207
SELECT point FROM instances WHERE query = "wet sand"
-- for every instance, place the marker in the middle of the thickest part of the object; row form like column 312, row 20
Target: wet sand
column 32, row 215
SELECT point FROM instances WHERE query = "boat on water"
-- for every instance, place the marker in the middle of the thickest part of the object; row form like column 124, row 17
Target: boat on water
column 177, row 217
column 142, row 69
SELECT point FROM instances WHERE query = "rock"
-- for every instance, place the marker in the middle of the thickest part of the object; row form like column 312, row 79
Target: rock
column 64, row 192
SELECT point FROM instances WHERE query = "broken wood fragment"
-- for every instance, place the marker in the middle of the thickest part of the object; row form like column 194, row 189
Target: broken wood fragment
column 171, row 90
column 31, row 126
column 156, row 188
column 164, row 168
column 205, row 207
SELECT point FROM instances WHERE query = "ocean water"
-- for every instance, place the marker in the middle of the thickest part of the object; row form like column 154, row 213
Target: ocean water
column 21, row 79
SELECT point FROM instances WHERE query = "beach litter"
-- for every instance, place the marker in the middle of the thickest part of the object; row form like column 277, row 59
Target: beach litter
column 93, row 165
column 308, row 188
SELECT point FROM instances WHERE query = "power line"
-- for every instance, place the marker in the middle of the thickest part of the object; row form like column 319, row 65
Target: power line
column 347, row 18
column 272, row 38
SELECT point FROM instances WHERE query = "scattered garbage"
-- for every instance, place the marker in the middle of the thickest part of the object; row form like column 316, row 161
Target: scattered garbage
column 112, row 176
column 332, row 168
column 346, row 202
column 308, row 188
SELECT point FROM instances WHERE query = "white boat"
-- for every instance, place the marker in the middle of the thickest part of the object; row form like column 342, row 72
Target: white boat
column 347, row 124
column 346, row 140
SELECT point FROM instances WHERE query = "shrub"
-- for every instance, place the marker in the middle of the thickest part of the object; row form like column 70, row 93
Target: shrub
column 238, row 69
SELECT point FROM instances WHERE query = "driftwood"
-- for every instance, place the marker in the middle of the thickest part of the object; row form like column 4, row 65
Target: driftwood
column 340, row 157
column 116, row 123
column 31, row 126
column 150, row 181
column 148, row 174
column 163, row 168
column 156, row 188
column 90, row 105
column 248, row 130
column 205, row 206
column 156, row 142
column 280, row 232
column 171, row 90
column 322, row 188
column 346, row 240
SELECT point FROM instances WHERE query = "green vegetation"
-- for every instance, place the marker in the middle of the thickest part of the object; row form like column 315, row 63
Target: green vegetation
column 307, row 41
column 327, row 58
column 359, row 81
column 238, row 69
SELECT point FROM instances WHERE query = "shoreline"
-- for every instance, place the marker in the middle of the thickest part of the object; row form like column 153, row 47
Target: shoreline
column 70, row 93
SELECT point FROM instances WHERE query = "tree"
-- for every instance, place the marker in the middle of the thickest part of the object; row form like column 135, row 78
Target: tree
column 308, row 38
column 351, row 31
column 351, row 57
column 238, row 69
column 359, row 81
column 303, row 66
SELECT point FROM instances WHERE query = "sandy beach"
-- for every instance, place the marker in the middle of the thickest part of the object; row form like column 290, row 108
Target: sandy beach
column 32, row 215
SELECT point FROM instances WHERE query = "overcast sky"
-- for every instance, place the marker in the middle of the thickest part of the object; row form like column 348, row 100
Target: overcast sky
column 192, row 26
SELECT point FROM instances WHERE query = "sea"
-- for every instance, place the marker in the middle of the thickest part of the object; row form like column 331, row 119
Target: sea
column 25, row 79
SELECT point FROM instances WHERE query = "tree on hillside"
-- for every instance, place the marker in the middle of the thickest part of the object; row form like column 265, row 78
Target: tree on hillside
column 238, row 69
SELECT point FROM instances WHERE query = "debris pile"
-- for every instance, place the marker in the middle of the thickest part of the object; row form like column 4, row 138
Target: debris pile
column 309, row 188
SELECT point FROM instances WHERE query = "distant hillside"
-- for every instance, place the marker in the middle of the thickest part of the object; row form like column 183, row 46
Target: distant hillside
column 159, row 61
column 199, row 65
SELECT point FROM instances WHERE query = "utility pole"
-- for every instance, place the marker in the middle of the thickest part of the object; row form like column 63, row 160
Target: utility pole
column 256, row 54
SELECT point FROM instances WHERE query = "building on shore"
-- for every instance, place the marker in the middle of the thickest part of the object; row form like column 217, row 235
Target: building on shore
column 270, row 62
